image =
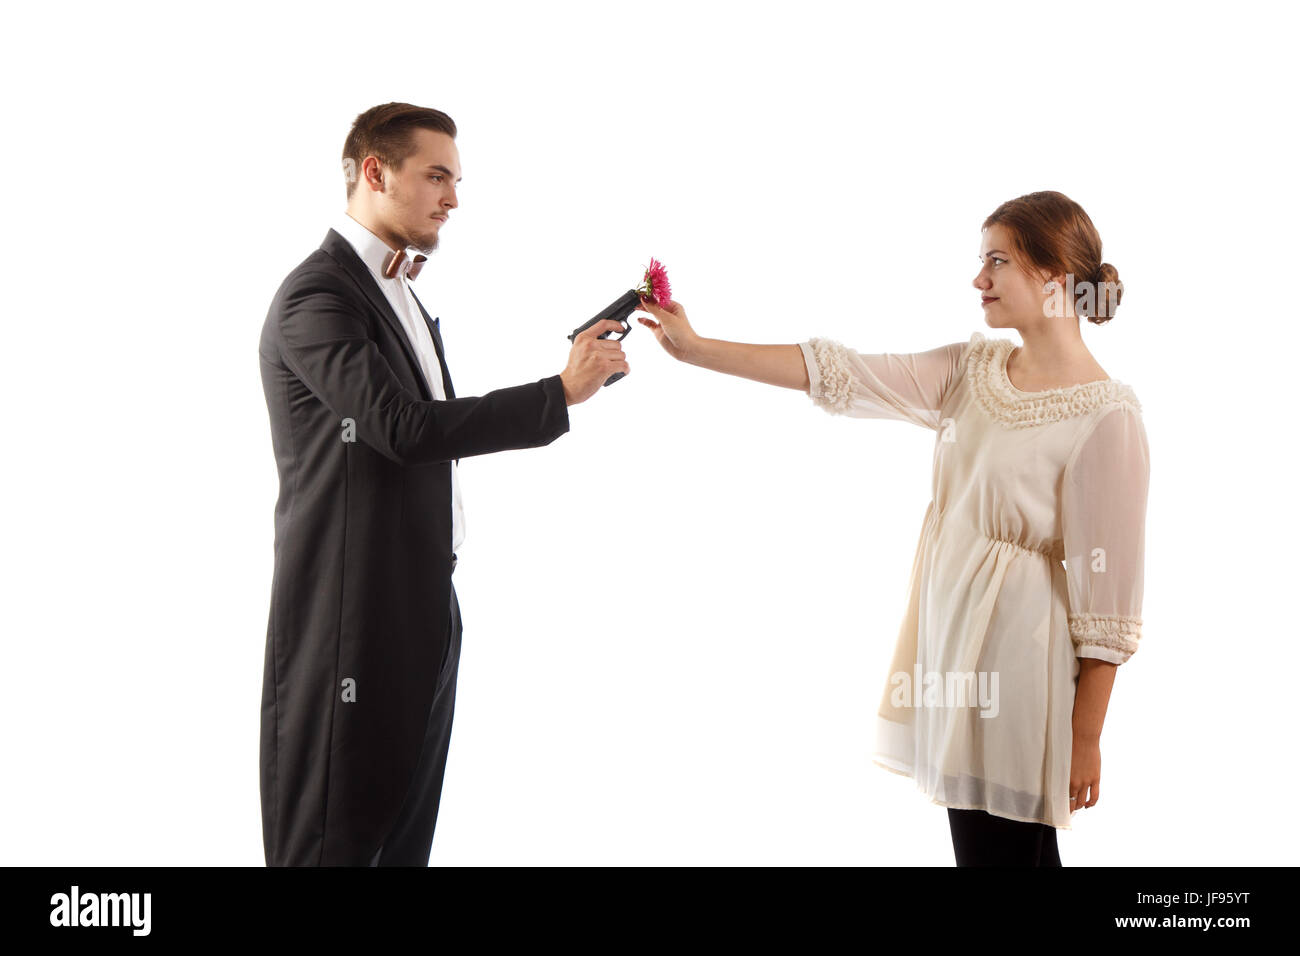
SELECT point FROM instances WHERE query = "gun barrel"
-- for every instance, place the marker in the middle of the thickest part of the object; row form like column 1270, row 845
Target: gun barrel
column 619, row 309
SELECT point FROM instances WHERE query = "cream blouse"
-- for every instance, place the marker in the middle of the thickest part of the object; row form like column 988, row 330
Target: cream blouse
column 978, row 705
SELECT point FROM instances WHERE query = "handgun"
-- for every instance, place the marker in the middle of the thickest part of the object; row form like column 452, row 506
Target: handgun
column 619, row 309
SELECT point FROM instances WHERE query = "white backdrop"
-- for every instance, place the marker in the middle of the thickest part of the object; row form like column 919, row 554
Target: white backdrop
column 679, row 616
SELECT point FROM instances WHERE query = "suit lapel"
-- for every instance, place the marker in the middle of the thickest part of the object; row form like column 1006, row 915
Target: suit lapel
column 342, row 252
column 437, row 342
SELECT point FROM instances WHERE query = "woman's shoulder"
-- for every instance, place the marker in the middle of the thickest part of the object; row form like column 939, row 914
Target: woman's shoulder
column 986, row 370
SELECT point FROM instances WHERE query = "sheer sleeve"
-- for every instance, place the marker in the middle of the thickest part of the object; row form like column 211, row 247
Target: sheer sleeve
column 910, row 387
column 1103, row 524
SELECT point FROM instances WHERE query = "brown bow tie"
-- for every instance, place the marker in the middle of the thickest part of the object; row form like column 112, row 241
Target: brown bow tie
column 393, row 264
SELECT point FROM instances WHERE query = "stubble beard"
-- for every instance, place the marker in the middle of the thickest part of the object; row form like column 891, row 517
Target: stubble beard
column 426, row 249
column 419, row 242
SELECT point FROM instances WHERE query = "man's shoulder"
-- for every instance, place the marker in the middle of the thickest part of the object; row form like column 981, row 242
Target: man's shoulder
column 320, row 271
column 318, row 261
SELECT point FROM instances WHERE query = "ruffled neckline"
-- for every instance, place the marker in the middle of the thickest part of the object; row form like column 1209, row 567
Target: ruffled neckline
column 986, row 367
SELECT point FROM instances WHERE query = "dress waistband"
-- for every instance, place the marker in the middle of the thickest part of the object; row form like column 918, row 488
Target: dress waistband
column 1049, row 552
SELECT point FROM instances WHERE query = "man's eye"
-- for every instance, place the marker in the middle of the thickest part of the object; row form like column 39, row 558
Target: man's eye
column 436, row 178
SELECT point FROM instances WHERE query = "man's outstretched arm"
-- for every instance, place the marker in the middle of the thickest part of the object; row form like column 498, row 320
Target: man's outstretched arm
column 325, row 343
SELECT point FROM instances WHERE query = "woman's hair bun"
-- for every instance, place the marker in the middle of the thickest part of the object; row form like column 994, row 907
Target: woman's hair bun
column 1107, row 293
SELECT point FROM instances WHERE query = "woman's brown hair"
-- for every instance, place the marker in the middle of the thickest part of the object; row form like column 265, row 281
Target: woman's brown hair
column 1052, row 233
column 385, row 132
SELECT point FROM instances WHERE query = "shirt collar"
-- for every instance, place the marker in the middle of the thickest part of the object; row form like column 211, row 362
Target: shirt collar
column 372, row 250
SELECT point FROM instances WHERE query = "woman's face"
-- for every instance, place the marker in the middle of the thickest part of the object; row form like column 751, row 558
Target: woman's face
column 1010, row 297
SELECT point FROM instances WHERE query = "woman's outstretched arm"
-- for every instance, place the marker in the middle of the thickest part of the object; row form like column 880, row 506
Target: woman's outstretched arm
column 781, row 365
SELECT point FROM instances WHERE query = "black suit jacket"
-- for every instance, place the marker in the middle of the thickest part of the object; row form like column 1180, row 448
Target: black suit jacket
column 362, row 585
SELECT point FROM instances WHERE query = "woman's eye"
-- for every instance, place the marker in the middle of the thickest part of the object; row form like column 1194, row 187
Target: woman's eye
column 996, row 259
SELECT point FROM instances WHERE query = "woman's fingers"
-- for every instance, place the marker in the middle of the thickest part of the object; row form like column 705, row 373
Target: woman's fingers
column 655, row 309
column 1085, row 796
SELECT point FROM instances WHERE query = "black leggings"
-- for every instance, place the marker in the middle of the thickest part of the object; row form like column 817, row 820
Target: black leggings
column 981, row 839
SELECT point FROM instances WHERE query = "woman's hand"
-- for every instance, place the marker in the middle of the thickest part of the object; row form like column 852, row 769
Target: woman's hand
column 1085, row 772
column 781, row 365
column 672, row 330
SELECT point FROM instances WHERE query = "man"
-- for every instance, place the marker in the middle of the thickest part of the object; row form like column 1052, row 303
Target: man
column 363, row 637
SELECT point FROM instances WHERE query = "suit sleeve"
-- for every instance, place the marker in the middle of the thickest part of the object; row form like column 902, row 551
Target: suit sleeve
column 908, row 387
column 325, row 342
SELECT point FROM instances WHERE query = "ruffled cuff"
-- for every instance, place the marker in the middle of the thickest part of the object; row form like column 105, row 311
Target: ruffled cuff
column 1112, row 638
column 828, row 374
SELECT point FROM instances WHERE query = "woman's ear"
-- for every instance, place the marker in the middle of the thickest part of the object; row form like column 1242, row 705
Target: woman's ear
column 1045, row 278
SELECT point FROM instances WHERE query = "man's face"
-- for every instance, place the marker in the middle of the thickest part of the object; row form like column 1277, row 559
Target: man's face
column 420, row 195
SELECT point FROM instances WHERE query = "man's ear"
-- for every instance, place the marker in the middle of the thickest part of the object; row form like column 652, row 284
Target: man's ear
column 372, row 173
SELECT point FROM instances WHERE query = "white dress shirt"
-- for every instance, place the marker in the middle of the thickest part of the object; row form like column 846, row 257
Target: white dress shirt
column 373, row 251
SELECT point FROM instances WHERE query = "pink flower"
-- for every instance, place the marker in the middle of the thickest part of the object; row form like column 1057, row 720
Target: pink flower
column 655, row 284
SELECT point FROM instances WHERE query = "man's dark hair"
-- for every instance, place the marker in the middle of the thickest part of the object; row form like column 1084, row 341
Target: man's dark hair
column 387, row 133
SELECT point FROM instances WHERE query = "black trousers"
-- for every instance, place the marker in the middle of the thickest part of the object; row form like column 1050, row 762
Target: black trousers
column 411, row 839
column 981, row 839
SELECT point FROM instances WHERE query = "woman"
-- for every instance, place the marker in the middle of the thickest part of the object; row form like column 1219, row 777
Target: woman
column 1005, row 659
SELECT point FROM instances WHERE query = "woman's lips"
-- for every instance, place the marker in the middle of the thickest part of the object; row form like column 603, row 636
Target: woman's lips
column 985, row 300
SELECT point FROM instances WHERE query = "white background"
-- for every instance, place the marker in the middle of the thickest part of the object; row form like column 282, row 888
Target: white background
column 679, row 616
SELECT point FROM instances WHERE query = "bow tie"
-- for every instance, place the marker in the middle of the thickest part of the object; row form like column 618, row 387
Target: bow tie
column 393, row 264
